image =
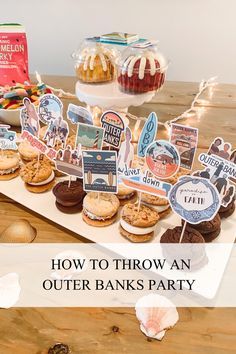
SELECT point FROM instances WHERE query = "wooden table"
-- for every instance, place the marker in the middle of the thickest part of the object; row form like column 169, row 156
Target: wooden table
column 116, row 330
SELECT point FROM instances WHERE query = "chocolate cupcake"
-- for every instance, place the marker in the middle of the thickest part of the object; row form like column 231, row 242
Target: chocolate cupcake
column 69, row 198
column 209, row 229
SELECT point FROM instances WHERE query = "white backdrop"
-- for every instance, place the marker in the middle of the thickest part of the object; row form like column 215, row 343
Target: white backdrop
column 198, row 36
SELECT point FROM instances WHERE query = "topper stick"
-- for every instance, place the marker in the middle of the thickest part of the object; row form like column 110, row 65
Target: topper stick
column 98, row 195
column 183, row 230
column 38, row 159
column 139, row 200
column 69, row 183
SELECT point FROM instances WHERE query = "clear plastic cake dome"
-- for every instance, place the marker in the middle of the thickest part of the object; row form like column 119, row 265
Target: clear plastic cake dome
column 95, row 62
column 141, row 70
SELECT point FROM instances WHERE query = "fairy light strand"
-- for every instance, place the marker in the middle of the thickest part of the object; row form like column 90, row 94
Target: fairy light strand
column 60, row 92
column 204, row 84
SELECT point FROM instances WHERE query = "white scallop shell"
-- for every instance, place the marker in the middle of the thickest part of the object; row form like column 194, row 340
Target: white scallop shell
column 9, row 290
column 156, row 314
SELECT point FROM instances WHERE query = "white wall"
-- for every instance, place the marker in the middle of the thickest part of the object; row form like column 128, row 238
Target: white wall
column 198, row 36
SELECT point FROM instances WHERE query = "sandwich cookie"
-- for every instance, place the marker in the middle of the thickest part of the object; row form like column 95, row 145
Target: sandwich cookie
column 161, row 205
column 100, row 210
column 69, row 198
column 209, row 229
column 196, row 253
column 38, row 176
column 174, row 179
column 138, row 224
column 27, row 152
column 126, row 195
column 9, row 167
column 227, row 211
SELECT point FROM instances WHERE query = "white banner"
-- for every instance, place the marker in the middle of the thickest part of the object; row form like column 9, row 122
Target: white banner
column 75, row 275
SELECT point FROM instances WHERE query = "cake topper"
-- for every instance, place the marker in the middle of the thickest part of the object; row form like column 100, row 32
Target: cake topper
column 113, row 125
column 30, row 126
column 126, row 152
column 78, row 114
column 143, row 182
column 162, row 159
column 194, row 199
column 29, row 118
column 185, row 139
column 148, row 134
column 100, row 171
column 89, row 136
column 51, row 113
column 69, row 161
column 7, row 138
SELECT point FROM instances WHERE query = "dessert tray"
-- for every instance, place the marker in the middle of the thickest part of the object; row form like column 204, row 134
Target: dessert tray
column 44, row 204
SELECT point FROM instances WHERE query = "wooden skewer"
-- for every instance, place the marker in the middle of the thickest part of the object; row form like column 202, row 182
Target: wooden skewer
column 183, row 230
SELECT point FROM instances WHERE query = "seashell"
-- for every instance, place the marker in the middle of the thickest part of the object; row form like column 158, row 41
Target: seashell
column 156, row 314
column 20, row 231
column 9, row 290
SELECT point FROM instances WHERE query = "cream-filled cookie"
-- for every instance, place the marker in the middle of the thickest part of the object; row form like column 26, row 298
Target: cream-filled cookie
column 161, row 205
column 138, row 223
column 38, row 176
column 9, row 167
column 126, row 195
column 100, row 209
column 27, row 152
column 174, row 179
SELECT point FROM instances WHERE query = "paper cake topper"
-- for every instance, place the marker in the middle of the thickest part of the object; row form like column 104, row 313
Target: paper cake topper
column 78, row 114
column 30, row 126
column 143, row 182
column 89, row 136
column 29, row 118
column 162, row 159
column 7, row 138
column 148, row 134
column 185, row 140
column 100, row 171
column 220, row 172
column 194, row 199
column 51, row 113
column 220, row 168
column 221, row 148
column 126, row 152
column 69, row 161
column 39, row 145
column 50, row 108
column 113, row 125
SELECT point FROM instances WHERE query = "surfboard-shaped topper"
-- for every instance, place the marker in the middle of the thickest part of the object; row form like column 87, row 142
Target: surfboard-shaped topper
column 148, row 134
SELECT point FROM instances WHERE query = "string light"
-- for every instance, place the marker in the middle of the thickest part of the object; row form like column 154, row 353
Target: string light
column 193, row 110
column 204, row 84
column 61, row 93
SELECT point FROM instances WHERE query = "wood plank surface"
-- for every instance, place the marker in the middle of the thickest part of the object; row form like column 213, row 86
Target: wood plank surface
column 113, row 331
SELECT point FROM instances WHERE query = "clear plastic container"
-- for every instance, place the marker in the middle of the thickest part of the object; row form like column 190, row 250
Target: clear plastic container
column 141, row 70
column 95, row 62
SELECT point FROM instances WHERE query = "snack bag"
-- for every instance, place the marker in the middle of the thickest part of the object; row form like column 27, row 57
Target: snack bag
column 13, row 55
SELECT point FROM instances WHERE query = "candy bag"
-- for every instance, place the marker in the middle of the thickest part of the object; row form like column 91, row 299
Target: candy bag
column 13, row 55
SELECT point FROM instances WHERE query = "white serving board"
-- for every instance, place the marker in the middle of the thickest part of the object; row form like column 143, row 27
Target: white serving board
column 44, row 204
